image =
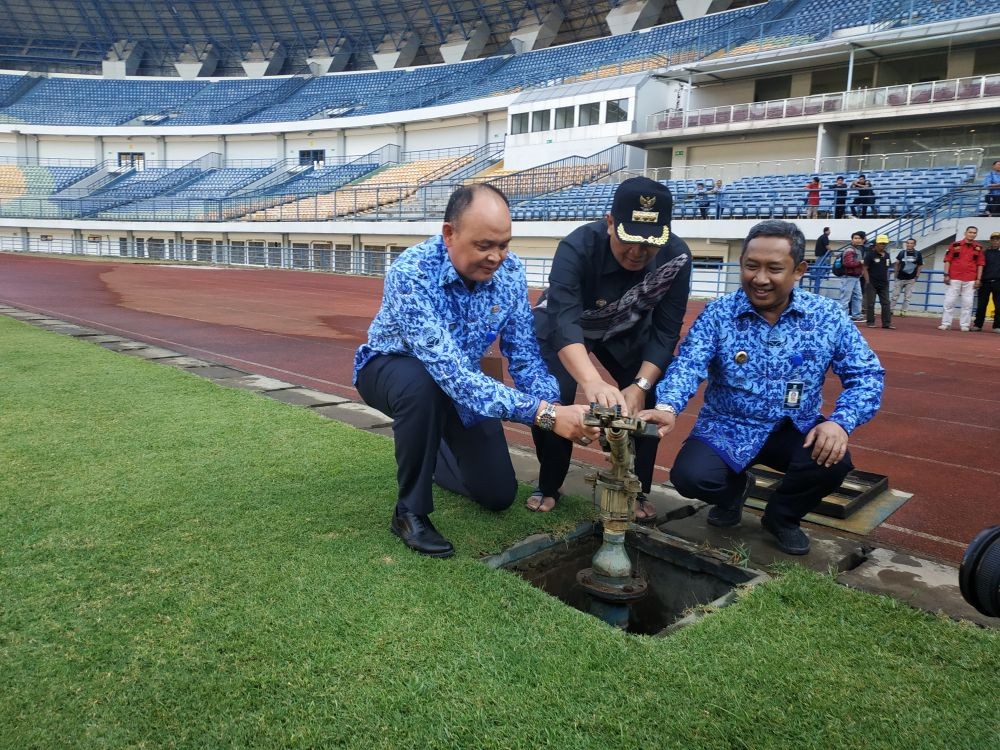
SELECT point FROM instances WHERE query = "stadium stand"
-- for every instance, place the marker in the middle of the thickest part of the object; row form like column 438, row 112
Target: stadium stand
column 183, row 102
column 390, row 184
column 34, row 179
column 898, row 192
column 310, row 181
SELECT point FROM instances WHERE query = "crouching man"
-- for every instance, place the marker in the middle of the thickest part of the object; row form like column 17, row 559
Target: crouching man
column 765, row 351
column 445, row 302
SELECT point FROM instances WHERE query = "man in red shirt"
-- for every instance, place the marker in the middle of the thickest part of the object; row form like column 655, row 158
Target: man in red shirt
column 812, row 199
column 963, row 270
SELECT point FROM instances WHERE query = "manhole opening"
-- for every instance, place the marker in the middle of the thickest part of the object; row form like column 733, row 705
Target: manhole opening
column 684, row 582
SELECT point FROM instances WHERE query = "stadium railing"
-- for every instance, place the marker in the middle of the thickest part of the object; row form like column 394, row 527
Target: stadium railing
column 848, row 166
column 904, row 95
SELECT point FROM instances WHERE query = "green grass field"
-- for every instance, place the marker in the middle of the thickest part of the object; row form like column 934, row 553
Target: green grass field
column 186, row 565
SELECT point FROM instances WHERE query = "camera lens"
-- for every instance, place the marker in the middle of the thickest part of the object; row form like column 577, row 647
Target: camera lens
column 979, row 576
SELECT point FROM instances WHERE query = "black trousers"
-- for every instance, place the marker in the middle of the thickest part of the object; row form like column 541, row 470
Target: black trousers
column 554, row 452
column 986, row 288
column 838, row 208
column 861, row 205
column 882, row 291
column 432, row 444
column 699, row 472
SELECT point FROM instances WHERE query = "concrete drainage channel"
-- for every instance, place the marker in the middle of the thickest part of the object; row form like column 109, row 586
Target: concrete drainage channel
column 684, row 583
column 687, row 574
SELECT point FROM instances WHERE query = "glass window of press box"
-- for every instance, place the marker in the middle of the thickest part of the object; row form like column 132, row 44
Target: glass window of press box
column 617, row 110
column 590, row 114
column 564, row 117
column 541, row 120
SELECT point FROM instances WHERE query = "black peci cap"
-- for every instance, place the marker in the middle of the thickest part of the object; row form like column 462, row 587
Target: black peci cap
column 641, row 211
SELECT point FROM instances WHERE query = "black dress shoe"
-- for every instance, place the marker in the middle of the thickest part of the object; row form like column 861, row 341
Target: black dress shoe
column 419, row 534
column 725, row 516
column 791, row 539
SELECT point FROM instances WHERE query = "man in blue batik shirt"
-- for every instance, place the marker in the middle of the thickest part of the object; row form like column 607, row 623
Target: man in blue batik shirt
column 445, row 302
column 765, row 351
column 992, row 184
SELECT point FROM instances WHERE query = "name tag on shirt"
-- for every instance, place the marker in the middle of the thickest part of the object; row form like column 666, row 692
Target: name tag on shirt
column 793, row 394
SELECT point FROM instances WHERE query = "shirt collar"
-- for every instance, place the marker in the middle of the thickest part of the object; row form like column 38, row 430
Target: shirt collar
column 449, row 276
column 742, row 305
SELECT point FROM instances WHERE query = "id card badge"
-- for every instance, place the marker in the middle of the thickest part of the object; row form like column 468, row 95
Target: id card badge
column 793, row 394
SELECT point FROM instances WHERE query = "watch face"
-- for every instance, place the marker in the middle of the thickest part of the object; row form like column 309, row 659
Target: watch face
column 547, row 419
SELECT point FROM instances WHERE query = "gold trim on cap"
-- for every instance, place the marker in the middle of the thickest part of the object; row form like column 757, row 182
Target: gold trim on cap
column 650, row 240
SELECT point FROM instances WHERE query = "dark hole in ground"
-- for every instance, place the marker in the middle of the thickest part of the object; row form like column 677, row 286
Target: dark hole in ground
column 680, row 577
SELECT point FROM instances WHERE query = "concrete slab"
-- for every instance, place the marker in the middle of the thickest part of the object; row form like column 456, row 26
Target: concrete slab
column 76, row 331
column 306, row 397
column 357, row 415
column 254, row 382
column 924, row 584
column 861, row 521
column 184, row 362
column 827, row 552
column 49, row 322
column 102, row 338
column 26, row 316
column 217, row 372
column 123, row 345
column 152, row 352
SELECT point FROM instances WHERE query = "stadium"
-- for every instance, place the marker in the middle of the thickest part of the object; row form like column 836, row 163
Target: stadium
column 223, row 185
column 243, row 147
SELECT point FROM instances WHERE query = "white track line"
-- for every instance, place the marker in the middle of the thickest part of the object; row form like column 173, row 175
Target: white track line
column 921, row 534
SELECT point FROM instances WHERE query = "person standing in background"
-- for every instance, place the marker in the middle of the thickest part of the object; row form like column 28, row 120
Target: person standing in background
column 812, row 198
column 963, row 269
column 839, row 198
column 864, row 199
column 906, row 271
column 850, row 282
column 990, row 285
column 876, row 275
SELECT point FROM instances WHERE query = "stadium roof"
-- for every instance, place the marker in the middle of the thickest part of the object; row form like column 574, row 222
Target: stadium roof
column 75, row 35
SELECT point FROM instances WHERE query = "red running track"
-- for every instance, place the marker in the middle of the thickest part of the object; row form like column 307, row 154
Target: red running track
column 933, row 437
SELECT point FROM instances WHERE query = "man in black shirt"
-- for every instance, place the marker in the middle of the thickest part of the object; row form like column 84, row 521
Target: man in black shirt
column 990, row 285
column 817, row 271
column 618, row 289
column 823, row 243
column 876, row 276
column 839, row 198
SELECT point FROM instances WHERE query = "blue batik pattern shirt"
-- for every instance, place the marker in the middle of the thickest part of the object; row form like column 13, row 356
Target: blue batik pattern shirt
column 427, row 312
column 745, row 402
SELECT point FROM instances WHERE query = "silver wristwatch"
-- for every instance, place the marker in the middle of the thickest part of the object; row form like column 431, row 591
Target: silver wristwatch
column 546, row 419
column 667, row 408
column 643, row 384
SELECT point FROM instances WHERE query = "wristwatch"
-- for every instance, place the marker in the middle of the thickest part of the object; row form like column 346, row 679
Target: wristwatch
column 546, row 419
column 667, row 408
column 643, row 384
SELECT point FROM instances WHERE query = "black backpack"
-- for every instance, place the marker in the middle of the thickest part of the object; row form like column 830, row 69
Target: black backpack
column 838, row 265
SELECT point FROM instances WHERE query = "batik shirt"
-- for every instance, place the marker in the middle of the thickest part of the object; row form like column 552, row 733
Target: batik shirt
column 428, row 312
column 750, row 365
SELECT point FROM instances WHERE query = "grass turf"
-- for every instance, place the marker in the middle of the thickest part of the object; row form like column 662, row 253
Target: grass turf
column 186, row 565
